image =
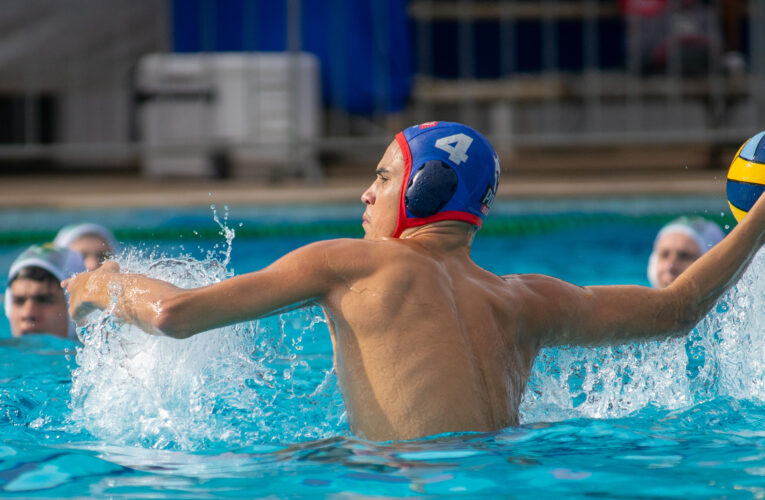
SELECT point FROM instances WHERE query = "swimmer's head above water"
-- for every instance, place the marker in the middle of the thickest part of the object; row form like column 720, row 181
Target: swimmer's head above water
column 677, row 245
column 34, row 301
column 435, row 171
column 93, row 241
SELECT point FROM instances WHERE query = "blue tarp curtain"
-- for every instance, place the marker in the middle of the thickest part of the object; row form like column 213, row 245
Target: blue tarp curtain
column 363, row 46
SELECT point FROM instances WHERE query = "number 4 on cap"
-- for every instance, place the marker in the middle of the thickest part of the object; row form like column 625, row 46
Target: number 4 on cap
column 456, row 145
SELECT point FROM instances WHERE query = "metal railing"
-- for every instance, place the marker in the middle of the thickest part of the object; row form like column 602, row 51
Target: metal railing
column 598, row 101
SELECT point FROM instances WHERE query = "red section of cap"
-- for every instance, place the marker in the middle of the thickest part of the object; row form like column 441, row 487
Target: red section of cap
column 401, row 222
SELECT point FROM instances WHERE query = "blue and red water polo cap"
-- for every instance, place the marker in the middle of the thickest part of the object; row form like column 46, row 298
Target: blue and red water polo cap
column 451, row 172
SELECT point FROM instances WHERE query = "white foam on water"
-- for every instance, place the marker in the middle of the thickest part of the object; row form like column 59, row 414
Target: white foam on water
column 723, row 356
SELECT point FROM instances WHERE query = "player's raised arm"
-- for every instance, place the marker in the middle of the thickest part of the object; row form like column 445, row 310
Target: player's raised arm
column 160, row 308
column 612, row 314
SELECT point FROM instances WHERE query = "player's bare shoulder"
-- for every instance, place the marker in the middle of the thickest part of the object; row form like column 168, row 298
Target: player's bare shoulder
column 535, row 284
column 532, row 294
column 540, row 301
column 356, row 258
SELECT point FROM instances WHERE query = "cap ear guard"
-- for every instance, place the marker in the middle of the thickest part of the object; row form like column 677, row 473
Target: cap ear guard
column 430, row 188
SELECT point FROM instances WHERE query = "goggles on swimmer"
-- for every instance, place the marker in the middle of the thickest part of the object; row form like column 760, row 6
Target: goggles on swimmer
column 451, row 172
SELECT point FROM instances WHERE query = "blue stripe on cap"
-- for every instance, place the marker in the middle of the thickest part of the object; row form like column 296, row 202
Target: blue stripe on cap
column 754, row 149
column 742, row 195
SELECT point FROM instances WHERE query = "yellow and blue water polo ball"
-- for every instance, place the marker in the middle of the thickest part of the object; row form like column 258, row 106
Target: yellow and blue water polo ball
column 746, row 176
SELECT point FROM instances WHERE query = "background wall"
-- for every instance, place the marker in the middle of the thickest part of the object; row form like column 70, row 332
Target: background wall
column 556, row 84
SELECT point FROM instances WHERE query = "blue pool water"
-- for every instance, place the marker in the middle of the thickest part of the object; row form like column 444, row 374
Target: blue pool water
column 254, row 410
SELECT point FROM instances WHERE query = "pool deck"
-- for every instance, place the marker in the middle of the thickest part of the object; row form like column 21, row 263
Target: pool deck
column 121, row 190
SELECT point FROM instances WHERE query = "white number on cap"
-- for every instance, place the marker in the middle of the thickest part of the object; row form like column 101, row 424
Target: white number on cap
column 456, row 145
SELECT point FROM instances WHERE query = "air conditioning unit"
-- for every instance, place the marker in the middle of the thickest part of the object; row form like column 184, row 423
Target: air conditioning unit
column 238, row 114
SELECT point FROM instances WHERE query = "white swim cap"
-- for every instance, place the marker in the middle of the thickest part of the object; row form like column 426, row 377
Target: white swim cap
column 60, row 262
column 704, row 232
column 68, row 234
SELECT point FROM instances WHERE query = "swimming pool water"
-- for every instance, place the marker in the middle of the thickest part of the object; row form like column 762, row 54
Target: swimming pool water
column 254, row 410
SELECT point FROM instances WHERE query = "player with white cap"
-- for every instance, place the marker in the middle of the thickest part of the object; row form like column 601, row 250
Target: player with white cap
column 34, row 300
column 93, row 241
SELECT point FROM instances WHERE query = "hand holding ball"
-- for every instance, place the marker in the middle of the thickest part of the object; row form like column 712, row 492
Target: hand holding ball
column 746, row 176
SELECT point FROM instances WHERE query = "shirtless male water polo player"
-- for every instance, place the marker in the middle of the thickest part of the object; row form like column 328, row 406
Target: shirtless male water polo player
column 425, row 341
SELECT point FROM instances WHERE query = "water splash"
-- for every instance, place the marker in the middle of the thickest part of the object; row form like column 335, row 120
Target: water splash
column 272, row 381
column 724, row 356
column 249, row 383
column 736, row 341
column 227, row 233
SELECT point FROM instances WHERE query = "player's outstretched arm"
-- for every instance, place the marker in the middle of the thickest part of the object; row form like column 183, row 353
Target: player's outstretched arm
column 160, row 308
column 611, row 314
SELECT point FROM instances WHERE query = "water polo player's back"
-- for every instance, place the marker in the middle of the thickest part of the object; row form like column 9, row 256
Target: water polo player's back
column 426, row 343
